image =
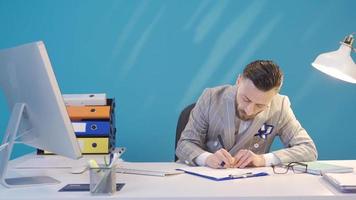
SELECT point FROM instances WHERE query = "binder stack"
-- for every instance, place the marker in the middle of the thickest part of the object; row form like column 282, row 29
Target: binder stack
column 93, row 120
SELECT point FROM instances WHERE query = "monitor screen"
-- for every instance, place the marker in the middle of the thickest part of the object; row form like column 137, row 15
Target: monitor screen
column 38, row 115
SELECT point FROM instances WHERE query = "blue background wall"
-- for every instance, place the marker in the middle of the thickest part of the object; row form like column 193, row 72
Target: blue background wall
column 155, row 57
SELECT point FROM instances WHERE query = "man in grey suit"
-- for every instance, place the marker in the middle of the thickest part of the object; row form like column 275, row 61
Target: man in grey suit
column 234, row 126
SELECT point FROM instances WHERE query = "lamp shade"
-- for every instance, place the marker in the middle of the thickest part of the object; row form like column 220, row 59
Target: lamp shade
column 338, row 64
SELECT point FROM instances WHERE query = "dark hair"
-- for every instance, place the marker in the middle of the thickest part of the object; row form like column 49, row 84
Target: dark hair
column 265, row 74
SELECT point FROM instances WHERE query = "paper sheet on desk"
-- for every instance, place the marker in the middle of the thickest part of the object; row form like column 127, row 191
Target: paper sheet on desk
column 149, row 169
column 223, row 174
column 148, row 172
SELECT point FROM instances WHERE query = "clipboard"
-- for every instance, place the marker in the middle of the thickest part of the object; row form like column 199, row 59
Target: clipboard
column 222, row 174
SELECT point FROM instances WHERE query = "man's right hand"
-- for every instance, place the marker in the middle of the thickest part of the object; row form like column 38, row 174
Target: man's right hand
column 221, row 156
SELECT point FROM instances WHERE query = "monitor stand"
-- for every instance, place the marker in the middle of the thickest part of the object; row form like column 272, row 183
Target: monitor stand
column 6, row 147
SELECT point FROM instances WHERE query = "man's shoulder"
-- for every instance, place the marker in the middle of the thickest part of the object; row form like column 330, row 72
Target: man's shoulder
column 279, row 101
column 221, row 91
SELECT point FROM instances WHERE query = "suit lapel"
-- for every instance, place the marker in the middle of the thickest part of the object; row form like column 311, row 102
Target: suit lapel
column 250, row 132
column 228, row 113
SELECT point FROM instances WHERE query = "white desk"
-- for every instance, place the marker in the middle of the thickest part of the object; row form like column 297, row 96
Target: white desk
column 184, row 186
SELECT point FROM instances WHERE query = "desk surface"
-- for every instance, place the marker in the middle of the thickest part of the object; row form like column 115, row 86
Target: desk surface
column 183, row 186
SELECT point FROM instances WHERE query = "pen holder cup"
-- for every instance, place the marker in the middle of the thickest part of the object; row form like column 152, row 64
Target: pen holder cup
column 102, row 180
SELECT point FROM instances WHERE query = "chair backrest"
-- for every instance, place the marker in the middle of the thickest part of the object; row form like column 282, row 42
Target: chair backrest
column 182, row 122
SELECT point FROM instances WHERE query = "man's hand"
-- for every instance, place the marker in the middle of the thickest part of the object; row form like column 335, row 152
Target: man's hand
column 246, row 157
column 221, row 156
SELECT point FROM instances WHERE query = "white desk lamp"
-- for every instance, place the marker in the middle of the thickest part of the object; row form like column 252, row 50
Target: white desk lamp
column 339, row 63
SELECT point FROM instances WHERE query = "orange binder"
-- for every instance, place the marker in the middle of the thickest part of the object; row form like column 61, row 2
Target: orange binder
column 88, row 112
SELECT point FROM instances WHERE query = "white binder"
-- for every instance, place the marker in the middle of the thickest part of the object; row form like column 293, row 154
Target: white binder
column 84, row 99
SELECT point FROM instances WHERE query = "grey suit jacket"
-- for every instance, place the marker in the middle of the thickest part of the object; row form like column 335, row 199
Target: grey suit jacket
column 214, row 114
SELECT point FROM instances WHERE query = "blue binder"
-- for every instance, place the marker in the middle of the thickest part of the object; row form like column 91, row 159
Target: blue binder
column 91, row 128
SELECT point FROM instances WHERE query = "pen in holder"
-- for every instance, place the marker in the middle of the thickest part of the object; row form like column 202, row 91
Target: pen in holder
column 102, row 180
column 103, row 177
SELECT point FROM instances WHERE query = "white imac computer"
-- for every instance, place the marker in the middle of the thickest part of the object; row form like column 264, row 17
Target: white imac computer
column 38, row 115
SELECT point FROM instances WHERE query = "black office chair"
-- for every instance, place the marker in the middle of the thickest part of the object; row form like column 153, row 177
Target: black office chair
column 182, row 122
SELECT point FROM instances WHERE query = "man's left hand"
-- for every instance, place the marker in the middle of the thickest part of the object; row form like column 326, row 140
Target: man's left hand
column 246, row 157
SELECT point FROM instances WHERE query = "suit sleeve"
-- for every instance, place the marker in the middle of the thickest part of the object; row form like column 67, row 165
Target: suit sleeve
column 299, row 147
column 192, row 141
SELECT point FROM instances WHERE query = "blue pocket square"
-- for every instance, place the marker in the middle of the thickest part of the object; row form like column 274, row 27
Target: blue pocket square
column 264, row 131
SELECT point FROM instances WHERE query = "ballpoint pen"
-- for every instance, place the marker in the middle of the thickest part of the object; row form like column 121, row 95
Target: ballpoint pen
column 114, row 156
column 222, row 164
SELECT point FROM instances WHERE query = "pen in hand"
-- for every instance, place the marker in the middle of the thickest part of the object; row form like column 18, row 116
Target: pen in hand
column 243, row 175
column 222, row 164
column 221, row 141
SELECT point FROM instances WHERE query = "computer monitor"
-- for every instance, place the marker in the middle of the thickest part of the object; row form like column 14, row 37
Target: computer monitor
column 38, row 115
